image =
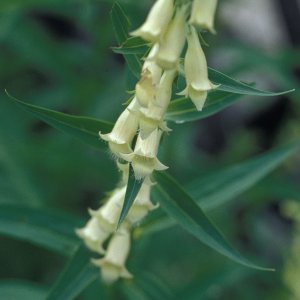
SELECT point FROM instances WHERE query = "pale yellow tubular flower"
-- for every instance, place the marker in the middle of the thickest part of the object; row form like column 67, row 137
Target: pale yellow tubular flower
column 93, row 235
column 142, row 204
column 172, row 42
column 196, row 73
column 150, row 65
column 113, row 263
column 156, row 22
column 152, row 116
column 125, row 128
column 145, row 89
column 108, row 214
column 144, row 158
column 151, row 73
column 203, row 14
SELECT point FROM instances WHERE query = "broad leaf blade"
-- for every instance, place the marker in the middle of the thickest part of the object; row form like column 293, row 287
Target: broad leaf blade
column 77, row 275
column 52, row 231
column 219, row 187
column 121, row 26
column 133, row 187
column 183, row 110
column 84, row 129
column 181, row 207
column 228, row 84
column 20, row 290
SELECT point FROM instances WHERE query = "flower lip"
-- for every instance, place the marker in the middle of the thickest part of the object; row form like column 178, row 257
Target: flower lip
column 144, row 157
column 113, row 263
column 125, row 128
column 93, row 235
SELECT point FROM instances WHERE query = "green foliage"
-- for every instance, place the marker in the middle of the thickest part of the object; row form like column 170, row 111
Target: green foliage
column 180, row 206
column 76, row 276
column 132, row 189
column 83, row 128
column 40, row 170
column 17, row 290
column 42, row 228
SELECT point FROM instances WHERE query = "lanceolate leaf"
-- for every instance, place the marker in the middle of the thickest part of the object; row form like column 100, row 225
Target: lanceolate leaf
column 133, row 187
column 52, row 231
column 219, row 187
column 121, row 26
column 231, row 85
column 183, row 110
column 77, row 275
column 181, row 207
column 83, row 128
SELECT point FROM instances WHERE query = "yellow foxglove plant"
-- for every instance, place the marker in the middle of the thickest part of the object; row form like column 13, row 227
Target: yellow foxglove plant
column 136, row 135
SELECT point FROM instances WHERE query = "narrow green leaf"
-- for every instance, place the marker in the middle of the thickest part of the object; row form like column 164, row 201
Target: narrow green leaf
column 219, row 187
column 77, row 275
column 183, row 110
column 181, row 207
column 83, row 128
column 120, row 22
column 20, row 290
column 228, row 84
column 133, row 45
column 121, row 26
column 133, row 187
column 50, row 230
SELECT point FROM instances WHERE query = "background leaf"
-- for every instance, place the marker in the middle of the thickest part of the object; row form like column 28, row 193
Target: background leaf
column 228, row 84
column 77, row 275
column 180, row 206
column 20, row 290
column 83, row 128
column 52, row 231
column 217, row 188
column 121, row 26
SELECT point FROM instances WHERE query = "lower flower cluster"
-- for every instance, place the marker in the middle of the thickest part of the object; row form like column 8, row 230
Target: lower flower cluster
column 101, row 228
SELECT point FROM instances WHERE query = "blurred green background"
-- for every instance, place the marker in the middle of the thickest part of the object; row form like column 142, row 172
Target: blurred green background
column 57, row 55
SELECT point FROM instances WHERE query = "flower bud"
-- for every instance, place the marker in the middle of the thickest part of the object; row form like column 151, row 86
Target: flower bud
column 151, row 66
column 125, row 128
column 196, row 74
column 203, row 14
column 108, row 214
column 143, row 159
column 93, row 235
column 113, row 264
column 152, row 116
column 156, row 22
column 172, row 42
column 145, row 89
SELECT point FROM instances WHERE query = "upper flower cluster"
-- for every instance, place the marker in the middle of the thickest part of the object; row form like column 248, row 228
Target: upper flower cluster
column 167, row 27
